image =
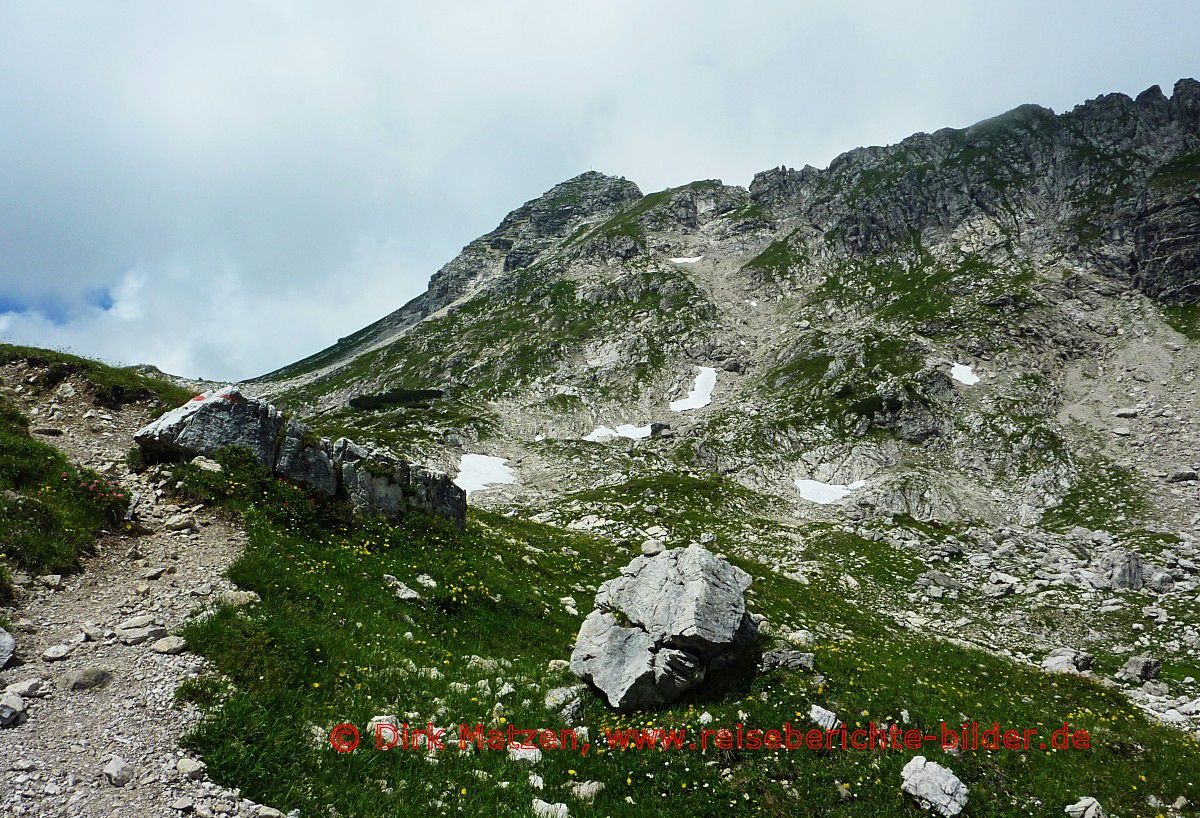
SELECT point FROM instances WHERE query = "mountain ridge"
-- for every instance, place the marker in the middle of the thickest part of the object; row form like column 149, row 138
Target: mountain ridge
column 1173, row 120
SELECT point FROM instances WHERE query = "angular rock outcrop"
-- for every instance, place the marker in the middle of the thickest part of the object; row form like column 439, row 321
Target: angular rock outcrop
column 1122, row 569
column 382, row 484
column 1140, row 669
column 374, row 482
column 659, row 627
column 307, row 459
column 211, row 421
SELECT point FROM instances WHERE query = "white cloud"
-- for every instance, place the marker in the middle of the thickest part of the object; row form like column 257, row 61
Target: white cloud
column 246, row 184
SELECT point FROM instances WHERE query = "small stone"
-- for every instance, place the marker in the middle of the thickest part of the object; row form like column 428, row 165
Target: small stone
column 651, row 547
column 118, row 772
column 12, row 710
column 190, row 768
column 180, row 522
column 825, row 719
column 1140, row 669
column 787, row 659
column 1156, row 687
column 28, row 689
column 934, row 787
column 138, row 636
column 1087, row 807
column 133, row 622
column 182, row 804
column 51, row 581
column 8, row 646
column 238, row 599
column 399, row 589
column 542, row 809
column 204, row 464
column 586, row 790
column 56, row 653
column 524, row 755
column 85, row 679
column 170, row 645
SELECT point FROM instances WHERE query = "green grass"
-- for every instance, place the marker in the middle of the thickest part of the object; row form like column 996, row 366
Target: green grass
column 495, row 343
column 50, row 511
column 328, row 644
column 881, row 376
column 1181, row 174
column 1104, row 497
column 112, row 386
column 1184, row 319
column 779, row 261
column 937, row 296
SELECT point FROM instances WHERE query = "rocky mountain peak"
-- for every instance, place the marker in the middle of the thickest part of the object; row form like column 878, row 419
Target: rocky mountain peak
column 539, row 223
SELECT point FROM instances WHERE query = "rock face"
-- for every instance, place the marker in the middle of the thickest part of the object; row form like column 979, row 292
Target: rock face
column 386, row 485
column 661, row 625
column 307, row 459
column 933, row 787
column 374, row 482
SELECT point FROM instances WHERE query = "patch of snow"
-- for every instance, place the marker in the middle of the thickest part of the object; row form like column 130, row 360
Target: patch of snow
column 479, row 471
column 825, row 493
column 701, row 394
column 603, row 433
column 687, row 259
column 964, row 374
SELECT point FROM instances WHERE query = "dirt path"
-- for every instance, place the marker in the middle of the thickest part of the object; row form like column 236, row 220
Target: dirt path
column 52, row 765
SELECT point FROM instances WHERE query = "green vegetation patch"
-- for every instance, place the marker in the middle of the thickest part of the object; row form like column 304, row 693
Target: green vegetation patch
column 1184, row 319
column 50, row 511
column 499, row 340
column 418, row 398
column 113, row 386
column 872, row 379
column 1181, row 173
column 1104, row 497
column 329, row 644
column 779, row 261
column 940, row 297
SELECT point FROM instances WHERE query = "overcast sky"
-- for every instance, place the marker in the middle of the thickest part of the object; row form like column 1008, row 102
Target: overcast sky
column 223, row 188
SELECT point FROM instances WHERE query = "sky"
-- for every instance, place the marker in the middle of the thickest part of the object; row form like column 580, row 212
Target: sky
column 221, row 188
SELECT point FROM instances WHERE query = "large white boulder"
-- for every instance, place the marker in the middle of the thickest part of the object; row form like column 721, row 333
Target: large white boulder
column 660, row 626
column 933, row 787
column 211, row 421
